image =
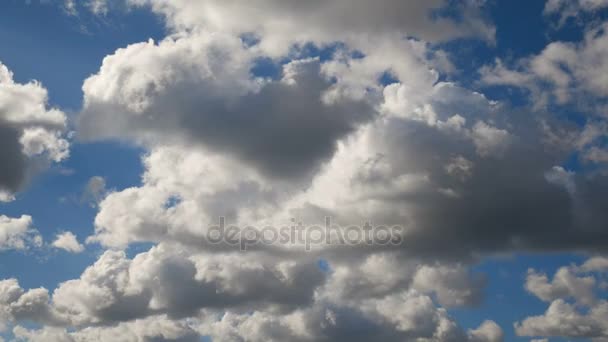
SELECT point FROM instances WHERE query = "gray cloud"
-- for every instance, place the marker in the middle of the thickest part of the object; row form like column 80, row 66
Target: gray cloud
column 172, row 294
column 464, row 175
column 283, row 128
column 30, row 133
column 14, row 162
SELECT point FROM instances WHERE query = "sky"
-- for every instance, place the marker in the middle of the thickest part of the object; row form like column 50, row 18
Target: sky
column 473, row 133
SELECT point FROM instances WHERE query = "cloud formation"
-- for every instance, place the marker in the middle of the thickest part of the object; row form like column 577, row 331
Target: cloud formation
column 18, row 233
column 292, row 300
column 68, row 242
column 563, row 73
column 359, row 122
column 31, row 134
column 584, row 319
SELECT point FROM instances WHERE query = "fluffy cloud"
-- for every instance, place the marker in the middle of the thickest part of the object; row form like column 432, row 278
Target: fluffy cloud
column 453, row 286
column 419, row 153
column 488, row 331
column 464, row 176
column 563, row 320
column 586, row 319
column 16, row 305
column 175, row 294
column 157, row 328
column 30, row 133
column 565, row 284
column 562, row 73
column 415, row 319
column 68, row 242
column 204, row 95
column 18, row 233
column 281, row 23
column 169, row 280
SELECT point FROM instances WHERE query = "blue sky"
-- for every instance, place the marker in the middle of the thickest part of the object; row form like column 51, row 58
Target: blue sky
column 40, row 41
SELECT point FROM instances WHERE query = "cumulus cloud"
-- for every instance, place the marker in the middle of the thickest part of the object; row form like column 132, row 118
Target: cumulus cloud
column 68, row 242
column 174, row 294
column 598, row 264
column 565, row 284
column 18, row 304
column 283, row 127
column 463, row 175
column 281, row 23
column 169, row 280
column 401, row 154
column 18, row 233
column 157, row 328
column 584, row 319
column 31, row 134
column 563, row 73
column 488, row 331
column 563, row 320
column 453, row 286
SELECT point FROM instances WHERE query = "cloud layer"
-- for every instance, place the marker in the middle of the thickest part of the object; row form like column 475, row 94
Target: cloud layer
column 31, row 134
column 357, row 120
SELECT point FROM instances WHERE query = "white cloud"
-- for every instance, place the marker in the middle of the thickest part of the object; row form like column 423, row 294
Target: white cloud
column 18, row 233
column 203, row 80
column 563, row 73
column 453, row 285
column 597, row 264
column 464, row 175
column 286, row 298
column 31, row 134
column 68, row 242
column 280, row 24
column 17, row 305
column 565, row 284
column 489, row 141
column 563, row 320
column 488, row 331
column 586, row 319
column 156, row 328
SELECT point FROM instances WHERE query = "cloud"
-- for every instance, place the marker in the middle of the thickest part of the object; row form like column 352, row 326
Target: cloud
column 157, row 328
column 18, row 233
column 563, row 320
column 323, row 22
column 94, row 191
column 464, row 176
column 20, row 305
column 283, row 127
column 572, row 9
column 563, row 73
column 30, row 133
column 597, row 264
column 68, row 242
column 453, row 286
column 565, row 284
column 226, row 295
column 393, row 169
column 169, row 280
column 488, row 331
column 585, row 319
column 407, row 316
